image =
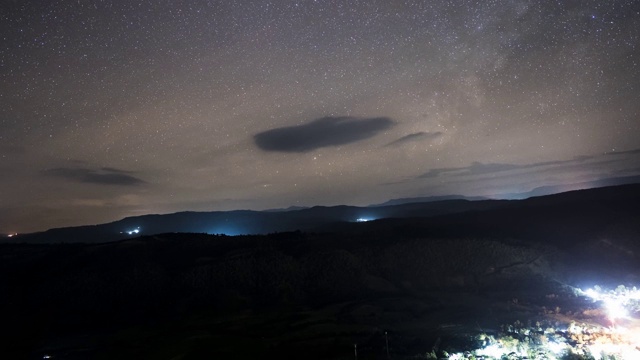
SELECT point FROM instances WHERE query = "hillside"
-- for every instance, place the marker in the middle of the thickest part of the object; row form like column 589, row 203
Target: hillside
column 424, row 281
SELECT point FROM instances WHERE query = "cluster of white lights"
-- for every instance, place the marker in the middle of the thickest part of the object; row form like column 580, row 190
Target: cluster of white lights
column 620, row 305
column 133, row 231
column 617, row 303
column 554, row 348
column 620, row 341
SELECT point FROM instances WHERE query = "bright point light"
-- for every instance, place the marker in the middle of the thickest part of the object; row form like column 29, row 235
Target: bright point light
column 615, row 309
column 363, row 219
column 592, row 294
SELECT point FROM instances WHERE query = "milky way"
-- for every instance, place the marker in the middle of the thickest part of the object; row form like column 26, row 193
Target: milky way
column 117, row 108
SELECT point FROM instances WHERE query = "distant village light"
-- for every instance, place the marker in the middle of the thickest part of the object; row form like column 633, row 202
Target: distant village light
column 134, row 231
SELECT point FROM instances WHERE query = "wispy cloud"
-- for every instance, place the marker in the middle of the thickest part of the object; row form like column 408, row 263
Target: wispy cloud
column 478, row 168
column 103, row 176
column 319, row 133
column 416, row 137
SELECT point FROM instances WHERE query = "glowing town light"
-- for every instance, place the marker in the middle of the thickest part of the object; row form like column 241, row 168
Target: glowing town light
column 133, row 231
column 493, row 350
column 12, row 235
column 615, row 351
column 227, row 230
column 556, row 347
column 619, row 340
column 615, row 309
column 617, row 303
column 593, row 294
column 364, row 219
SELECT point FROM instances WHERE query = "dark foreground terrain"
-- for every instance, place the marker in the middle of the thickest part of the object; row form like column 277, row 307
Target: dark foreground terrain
column 399, row 288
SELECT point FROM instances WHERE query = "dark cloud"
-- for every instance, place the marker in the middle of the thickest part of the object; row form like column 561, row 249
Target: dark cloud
column 419, row 136
column 478, row 168
column 115, row 171
column 104, row 176
column 323, row 132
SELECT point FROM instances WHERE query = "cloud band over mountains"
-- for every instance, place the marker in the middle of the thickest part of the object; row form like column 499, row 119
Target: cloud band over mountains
column 319, row 133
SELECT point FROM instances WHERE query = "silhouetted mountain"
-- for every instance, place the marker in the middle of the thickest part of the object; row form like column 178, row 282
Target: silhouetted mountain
column 244, row 221
column 345, row 218
column 556, row 189
column 290, row 208
column 424, row 199
column 418, row 269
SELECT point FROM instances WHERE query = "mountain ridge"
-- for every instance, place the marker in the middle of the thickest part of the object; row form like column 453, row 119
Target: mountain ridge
column 317, row 218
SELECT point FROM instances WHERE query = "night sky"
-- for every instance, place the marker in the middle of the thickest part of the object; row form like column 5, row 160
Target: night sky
column 111, row 109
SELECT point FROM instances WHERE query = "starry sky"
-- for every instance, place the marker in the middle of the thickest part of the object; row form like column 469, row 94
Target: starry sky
column 118, row 108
